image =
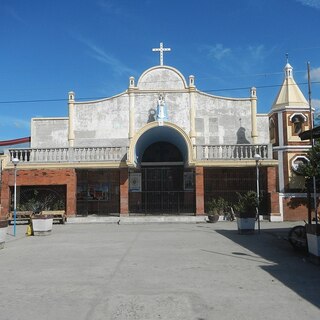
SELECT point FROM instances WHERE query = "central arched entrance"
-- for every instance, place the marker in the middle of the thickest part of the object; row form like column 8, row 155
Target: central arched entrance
column 161, row 183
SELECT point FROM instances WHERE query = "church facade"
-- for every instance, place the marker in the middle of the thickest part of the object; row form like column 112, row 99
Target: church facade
column 163, row 147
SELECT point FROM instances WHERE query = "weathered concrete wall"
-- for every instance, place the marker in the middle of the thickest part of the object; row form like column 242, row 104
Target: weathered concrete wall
column 218, row 120
column 49, row 132
column 177, row 105
column 161, row 78
column 263, row 128
column 102, row 123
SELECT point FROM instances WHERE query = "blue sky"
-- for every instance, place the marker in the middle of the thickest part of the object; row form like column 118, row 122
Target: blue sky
column 93, row 46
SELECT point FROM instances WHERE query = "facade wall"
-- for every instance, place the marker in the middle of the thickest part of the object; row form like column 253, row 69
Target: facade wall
column 102, row 123
column 263, row 129
column 222, row 121
column 49, row 133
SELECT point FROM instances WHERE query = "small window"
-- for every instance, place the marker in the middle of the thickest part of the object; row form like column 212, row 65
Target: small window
column 272, row 129
column 297, row 161
column 298, row 121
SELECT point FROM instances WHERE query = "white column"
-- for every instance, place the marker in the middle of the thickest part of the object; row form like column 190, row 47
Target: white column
column 192, row 109
column 71, row 119
column 254, row 131
column 131, row 107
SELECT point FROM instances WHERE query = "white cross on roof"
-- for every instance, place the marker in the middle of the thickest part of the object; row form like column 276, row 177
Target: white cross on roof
column 161, row 50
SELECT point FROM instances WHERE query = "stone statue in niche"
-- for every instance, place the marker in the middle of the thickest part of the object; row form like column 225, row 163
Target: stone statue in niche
column 162, row 112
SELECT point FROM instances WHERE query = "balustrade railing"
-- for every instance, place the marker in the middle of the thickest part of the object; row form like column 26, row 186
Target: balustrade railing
column 100, row 154
column 90, row 154
column 233, row 152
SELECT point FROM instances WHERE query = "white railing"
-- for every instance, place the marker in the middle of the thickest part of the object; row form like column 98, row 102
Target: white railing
column 233, row 152
column 114, row 154
column 90, row 154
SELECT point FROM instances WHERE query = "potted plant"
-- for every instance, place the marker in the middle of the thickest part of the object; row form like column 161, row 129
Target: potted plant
column 41, row 224
column 216, row 208
column 246, row 211
column 313, row 239
column 3, row 232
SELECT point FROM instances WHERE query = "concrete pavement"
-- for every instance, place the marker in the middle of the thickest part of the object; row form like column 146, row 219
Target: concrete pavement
column 152, row 271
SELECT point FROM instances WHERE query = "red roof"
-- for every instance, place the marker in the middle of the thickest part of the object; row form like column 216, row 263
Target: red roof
column 15, row 141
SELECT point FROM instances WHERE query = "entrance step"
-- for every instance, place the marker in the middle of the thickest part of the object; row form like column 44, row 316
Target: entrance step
column 138, row 220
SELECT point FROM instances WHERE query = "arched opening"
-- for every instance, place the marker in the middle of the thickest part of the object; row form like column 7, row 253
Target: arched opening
column 162, row 183
column 160, row 152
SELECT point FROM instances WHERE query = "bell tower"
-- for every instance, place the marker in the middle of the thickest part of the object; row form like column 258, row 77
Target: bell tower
column 289, row 116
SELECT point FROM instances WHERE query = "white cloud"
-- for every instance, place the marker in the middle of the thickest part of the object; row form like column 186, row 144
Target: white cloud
column 111, row 7
column 218, row 51
column 315, row 74
column 7, row 121
column 316, row 104
column 241, row 58
column 257, row 52
column 310, row 3
column 106, row 58
column 14, row 14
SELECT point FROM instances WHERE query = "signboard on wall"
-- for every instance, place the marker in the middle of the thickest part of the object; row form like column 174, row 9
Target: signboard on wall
column 135, row 182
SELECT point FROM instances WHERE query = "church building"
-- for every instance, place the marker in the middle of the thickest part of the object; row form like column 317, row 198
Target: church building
column 163, row 147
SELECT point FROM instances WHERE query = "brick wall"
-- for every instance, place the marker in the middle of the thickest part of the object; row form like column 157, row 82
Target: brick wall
column 199, row 191
column 38, row 177
column 295, row 209
column 272, row 190
column 124, row 192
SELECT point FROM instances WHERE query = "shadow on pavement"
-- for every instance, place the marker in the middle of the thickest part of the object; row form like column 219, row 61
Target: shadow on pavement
column 286, row 265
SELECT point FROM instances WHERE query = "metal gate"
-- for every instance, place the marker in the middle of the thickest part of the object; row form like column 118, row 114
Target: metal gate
column 226, row 182
column 98, row 192
column 163, row 190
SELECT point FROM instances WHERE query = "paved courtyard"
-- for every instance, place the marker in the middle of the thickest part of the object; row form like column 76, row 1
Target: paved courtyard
column 157, row 271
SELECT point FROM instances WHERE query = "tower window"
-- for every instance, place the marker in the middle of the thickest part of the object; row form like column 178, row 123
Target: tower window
column 272, row 129
column 297, row 120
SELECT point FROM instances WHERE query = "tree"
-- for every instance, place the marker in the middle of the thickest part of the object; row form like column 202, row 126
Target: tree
column 310, row 170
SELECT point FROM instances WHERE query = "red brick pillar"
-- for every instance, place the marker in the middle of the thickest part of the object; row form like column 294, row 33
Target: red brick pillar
column 199, row 191
column 272, row 191
column 71, row 193
column 124, row 192
column 5, row 192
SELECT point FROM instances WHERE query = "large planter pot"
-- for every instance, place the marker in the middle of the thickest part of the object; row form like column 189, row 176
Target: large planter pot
column 246, row 225
column 42, row 225
column 3, row 232
column 313, row 238
column 213, row 218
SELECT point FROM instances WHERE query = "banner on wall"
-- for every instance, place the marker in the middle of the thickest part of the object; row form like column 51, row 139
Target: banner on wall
column 135, row 182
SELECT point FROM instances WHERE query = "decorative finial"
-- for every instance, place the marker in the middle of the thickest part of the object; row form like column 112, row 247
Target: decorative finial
column 161, row 50
column 287, row 57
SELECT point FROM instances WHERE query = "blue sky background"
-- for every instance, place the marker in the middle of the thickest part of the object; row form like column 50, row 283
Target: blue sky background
column 49, row 48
